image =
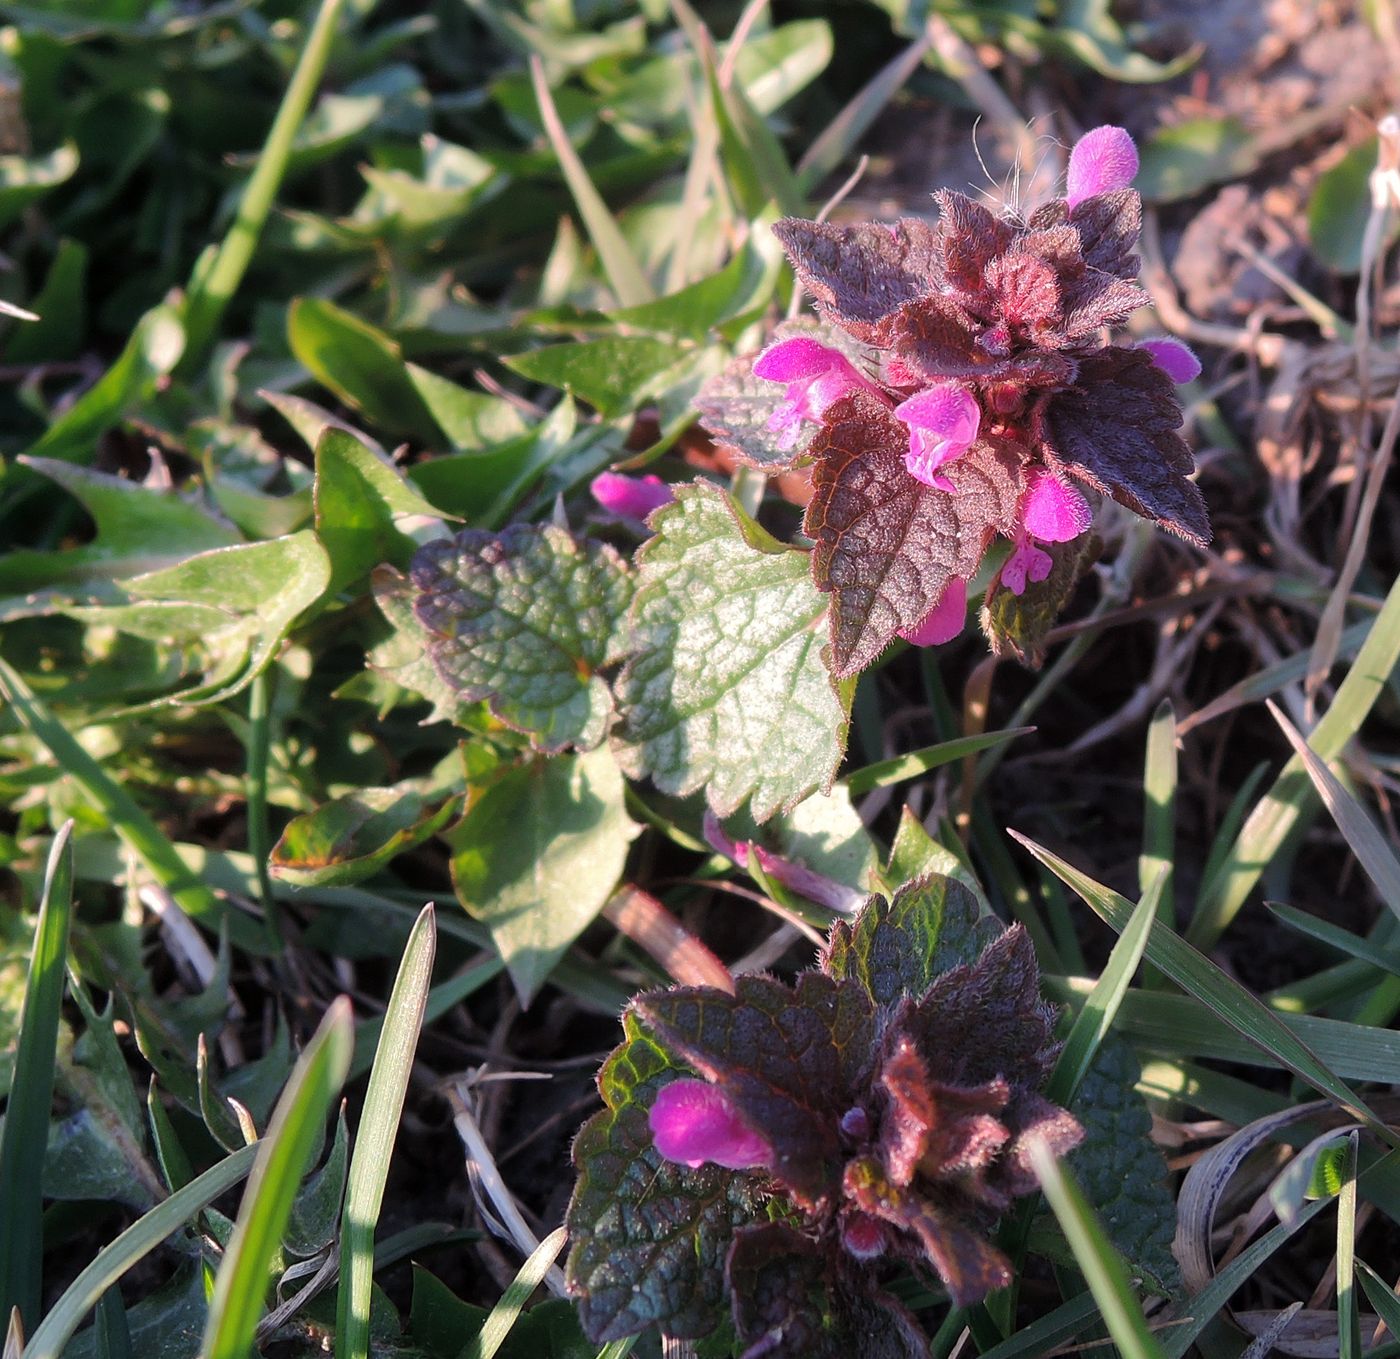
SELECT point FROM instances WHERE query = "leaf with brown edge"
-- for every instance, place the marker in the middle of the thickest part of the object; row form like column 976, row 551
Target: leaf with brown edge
column 969, row 1266
column 1116, row 429
column 859, row 274
column 1017, row 625
column 887, row 545
column 789, row 1058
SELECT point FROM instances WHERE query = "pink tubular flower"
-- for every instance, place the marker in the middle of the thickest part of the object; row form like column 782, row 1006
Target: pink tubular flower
column 944, row 621
column 693, row 1122
column 943, row 423
column 1051, row 510
column 1174, row 358
column 816, row 375
column 630, row 497
column 1102, row 160
column 796, row 877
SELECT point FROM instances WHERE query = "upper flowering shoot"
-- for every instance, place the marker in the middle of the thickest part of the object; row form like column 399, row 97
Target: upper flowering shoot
column 962, row 386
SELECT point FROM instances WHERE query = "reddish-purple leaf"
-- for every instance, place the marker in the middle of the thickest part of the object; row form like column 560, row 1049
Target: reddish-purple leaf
column 1116, row 429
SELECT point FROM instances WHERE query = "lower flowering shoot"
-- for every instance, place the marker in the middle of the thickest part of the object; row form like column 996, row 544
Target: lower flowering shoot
column 791, row 1149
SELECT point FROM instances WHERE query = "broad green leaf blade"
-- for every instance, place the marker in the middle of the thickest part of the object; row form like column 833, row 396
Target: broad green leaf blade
column 1269, row 824
column 1224, row 996
column 1339, row 207
column 1362, row 835
column 614, row 374
column 358, row 497
column 1101, row 1007
column 1100, row 1264
column 296, row 1130
column 901, row 768
column 374, row 1141
column 538, row 855
column 24, row 1133
column 136, row 1242
column 526, row 620
column 726, row 688
column 503, row 1315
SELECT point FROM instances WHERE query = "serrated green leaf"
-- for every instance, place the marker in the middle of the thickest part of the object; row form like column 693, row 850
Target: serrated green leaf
column 352, row 837
column 526, row 620
column 537, row 856
column 614, row 374
column 358, row 496
column 894, row 950
column 1121, row 1170
column 400, row 658
column 649, row 1237
column 727, row 689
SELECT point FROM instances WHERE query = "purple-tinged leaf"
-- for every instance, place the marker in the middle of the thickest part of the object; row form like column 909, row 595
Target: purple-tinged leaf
column 887, row 545
column 1109, row 225
column 786, row 1059
column 969, row 238
column 896, row 949
column 649, row 1237
column 860, row 274
column 1116, row 429
column 525, row 619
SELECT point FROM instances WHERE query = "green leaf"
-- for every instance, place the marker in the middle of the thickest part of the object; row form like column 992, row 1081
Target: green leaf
column 727, row 689
column 1017, row 625
column 1180, row 161
column 360, row 364
column 260, row 588
column 537, row 856
column 61, row 305
column 358, row 496
column 526, row 620
column 374, row 1141
column 22, row 179
column 901, row 768
column 1087, row 30
column 297, row 1127
column 897, row 949
column 354, row 836
column 614, row 374
column 24, row 1131
column 648, row 1237
column 401, row 658
column 471, row 420
column 316, row 1209
column 1339, row 207
column 497, row 1326
column 1122, row 1172
column 823, row 833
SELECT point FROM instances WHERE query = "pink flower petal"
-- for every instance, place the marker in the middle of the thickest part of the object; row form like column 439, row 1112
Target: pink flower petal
column 630, row 497
column 1174, row 358
column 943, row 422
column 944, row 621
column 863, row 1236
column 1052, row 510
column 1026, row 562
column 693, row 1122
column 797, row 358
column 1102, row 160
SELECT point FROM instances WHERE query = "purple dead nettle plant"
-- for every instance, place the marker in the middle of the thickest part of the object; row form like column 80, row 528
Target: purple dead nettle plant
column 961, row 388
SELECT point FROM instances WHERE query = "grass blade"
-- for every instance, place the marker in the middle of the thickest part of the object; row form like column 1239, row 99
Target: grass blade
column 619, row 263
column 1220, row 993
column 1334, row 936
column 125, row 817
column 1278, row 811
column 1348, row 1314
column 1381, row 1296
column 24, row 1133
column 1101, row 1265
column 297, row 1128
column 374, row 1143
column 1359, row 830
column 136, row 1242
column 1159, row 815
column 1101, row 1005
column 902, row 767
column 217, row 276
column 503, row 1315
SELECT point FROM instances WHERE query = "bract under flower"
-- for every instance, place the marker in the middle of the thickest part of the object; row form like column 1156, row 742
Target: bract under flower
column 630, row 497
column 1102, row 161
column 943, row 422
column 816, row 375
column 944, row 621
column 693, row 1122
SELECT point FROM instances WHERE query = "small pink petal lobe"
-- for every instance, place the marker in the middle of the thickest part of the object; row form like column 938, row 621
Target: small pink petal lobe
column 1026, row 562
column 693, row 1122
column 1102, row 160
column 630, row 497
column 943, row 423
column 1052, row 510
column 1174, row 358
column 944, row 621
